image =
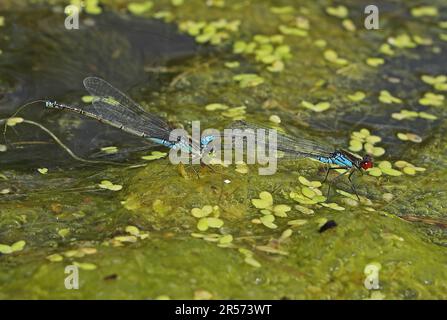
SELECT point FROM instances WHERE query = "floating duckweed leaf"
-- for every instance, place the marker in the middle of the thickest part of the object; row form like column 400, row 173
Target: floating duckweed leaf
column 402, row 41
column 385, row 48
column 292, row 31
column 55, row 257
column 282, row 10
column 11, row 122
column 423, row 41
column 43, row 170
column 228, row 238
column 167, row 16
column 251, row 261
column 334, row 206
column 85, row 265
column 92, row 7
column 87, row 99
column 424, row 11
column 276, row 66
column 373, row 139
column 139, row 8
column 248, row 80
column 391, row 172
column 18, row 246
column 297, row 222
column 321, row 222
column 320, row 43
column 304, row 210
column 387, row 98
column 375, row 62
column 319, row 107
column 126, row 238
column 154, row 155
column 432, row 99
column 286, row 234
column 432, row 80
column 202, row 224
column 349, row 25
column 346, row 194
column 275, row 119
column 409, row 137
column 106, row 184
column 267, row 220
column 237, row 113
column 409, row 171
column 216, row 106
column 313, row 184
column 376, row 172
column 332, row 56
column 63, row 232
column 355, row 145
column 5, row 249
column 357, row 96
column 428, row 116
column 281, row 209
column 308, row 192
column 269, row 249
column 232, row 64
column 109, row 150
column 204, row 212
column 265, row 200
column 132, row 230
column 407, row 114
column 241, row 168
column 375, row 151
column 339, row 11
column 214, row 222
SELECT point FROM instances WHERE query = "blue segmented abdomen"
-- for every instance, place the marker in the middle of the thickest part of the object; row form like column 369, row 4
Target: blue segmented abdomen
column 163, row 142
column 337, row 159
column 206, row 140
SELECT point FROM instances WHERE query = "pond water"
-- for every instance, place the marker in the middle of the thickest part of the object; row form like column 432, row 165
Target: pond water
column 140, row 227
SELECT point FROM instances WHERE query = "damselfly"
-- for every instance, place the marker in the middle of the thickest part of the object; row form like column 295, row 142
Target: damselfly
column 291, row 147
column 112, row 107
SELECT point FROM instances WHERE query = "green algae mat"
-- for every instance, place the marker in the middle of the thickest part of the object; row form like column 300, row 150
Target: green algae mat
column 76, row 195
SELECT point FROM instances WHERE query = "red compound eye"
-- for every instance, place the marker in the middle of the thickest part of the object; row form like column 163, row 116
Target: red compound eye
column 366, row 165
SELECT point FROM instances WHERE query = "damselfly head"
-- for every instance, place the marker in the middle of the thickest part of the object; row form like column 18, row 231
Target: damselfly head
column 367, row 162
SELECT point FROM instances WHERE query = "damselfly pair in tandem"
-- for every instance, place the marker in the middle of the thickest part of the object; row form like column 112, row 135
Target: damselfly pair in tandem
column 114, row 108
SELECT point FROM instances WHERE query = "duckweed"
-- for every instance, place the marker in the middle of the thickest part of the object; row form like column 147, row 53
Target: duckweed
column 43, row 170
column 388, row 98
column 246, row 80
column 432, row 99
column 332, row 56
column 319, row 107
column 357, row 96
column 106, row 184
column 409, row 137
column 140, row 8
column 338, row 11
column 154, row 155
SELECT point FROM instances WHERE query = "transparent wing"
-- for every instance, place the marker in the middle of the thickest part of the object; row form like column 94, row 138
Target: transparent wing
column 111, row 104
column 291, row 147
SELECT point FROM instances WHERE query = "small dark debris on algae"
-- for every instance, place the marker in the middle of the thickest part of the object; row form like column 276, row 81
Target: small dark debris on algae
column 113, row 276
column 328, row 225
